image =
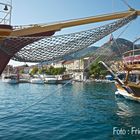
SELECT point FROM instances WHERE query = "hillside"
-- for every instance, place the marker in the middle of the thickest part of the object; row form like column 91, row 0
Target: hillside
column 113, row 50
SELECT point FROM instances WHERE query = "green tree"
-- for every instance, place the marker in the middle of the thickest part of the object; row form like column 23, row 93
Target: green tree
column 55, row 71
column 97, row 70
column 34, row 71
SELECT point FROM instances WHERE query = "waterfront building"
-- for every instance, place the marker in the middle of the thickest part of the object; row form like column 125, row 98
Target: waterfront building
column 75, row 67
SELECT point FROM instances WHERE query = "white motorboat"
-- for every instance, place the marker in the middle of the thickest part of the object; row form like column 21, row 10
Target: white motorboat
column 36, row 81
column 50, row 80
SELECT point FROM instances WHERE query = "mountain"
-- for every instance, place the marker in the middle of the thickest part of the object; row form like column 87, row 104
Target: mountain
column 86, row 52
column 122, row 45
column 113, row 49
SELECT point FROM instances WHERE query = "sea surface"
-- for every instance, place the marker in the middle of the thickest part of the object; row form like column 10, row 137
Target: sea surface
column 81, row 111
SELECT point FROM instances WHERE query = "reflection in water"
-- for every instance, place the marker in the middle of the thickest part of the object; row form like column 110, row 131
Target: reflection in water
column 127, row 108
column 124, row 110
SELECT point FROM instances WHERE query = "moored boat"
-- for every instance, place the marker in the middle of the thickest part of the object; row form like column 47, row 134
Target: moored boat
column 58, row 79
column 11, row 79
column 126, row 94
column 131, row 60
column 128, row 85
column 64, row 79
column 36, row 81
column 50, row 79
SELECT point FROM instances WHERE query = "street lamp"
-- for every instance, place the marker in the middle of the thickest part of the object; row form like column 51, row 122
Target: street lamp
column 5, row 8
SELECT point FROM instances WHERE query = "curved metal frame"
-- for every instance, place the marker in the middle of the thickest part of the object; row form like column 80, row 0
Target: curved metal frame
column 5, row 17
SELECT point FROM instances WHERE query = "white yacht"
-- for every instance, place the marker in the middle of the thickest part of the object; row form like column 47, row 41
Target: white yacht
column 36, row 81
column 50, row 79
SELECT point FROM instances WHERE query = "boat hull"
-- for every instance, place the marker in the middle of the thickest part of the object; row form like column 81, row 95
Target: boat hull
column 135, row 88
column 125, row 94
column 51, row 80
column 69, row 81
column 36, row 81
column 10, row 81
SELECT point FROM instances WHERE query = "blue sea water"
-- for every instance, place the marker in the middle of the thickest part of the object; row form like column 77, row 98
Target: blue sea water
column 72, row 112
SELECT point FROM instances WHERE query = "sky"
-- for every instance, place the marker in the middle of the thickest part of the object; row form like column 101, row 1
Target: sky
column 25, row 12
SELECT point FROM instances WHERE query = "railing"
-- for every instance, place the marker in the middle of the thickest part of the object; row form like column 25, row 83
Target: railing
column 133, row 56
column 131, row 53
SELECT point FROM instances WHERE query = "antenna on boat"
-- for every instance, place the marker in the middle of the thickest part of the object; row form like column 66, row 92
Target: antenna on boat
column 126, row 3
column 5, row 12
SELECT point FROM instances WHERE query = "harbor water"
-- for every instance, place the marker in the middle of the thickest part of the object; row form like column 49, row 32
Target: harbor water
column 81, row 111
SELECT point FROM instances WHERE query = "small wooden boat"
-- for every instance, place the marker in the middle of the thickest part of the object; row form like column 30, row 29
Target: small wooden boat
column 64, row 79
